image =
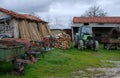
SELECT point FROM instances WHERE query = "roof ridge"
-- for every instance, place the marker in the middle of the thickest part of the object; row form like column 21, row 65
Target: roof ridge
column 21, row 16
column 96, row 19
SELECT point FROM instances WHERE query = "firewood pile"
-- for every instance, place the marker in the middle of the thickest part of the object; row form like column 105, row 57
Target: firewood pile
column 63, row 41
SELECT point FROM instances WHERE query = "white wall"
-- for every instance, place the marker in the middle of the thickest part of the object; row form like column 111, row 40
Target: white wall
column 4, row 15
column 97, row 25
column 14, row 31
column 14, row 24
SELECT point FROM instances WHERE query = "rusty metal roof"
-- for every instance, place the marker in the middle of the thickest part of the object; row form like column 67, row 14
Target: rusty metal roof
column 96, row 20
column 21, row 16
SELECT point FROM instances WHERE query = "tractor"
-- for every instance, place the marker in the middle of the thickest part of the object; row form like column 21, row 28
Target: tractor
column 84, row 38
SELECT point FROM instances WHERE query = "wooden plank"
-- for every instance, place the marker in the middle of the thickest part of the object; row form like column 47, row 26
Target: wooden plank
column 26, row 29
column 40, row 29
column 31, row 30
column 20, row 29
column 24, row 25
column 48, row 29
column 37, row 32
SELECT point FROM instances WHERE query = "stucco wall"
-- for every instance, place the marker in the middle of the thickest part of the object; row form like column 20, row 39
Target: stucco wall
column 98, row 25
column 14, row 24
column 4, row 15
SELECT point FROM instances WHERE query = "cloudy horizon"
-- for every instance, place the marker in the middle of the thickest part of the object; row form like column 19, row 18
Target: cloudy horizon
column 60, row 12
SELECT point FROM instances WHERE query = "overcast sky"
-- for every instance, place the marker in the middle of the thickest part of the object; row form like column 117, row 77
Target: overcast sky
column 60, row 12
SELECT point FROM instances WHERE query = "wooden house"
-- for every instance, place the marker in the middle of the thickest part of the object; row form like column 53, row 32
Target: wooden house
column 23, row 26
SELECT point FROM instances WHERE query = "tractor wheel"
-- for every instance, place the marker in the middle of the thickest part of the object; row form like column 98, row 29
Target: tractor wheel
column 75, row 44
column 104, row 46
column 80, row 45
column 96, row 46
column 18, row 68
column 108, row 46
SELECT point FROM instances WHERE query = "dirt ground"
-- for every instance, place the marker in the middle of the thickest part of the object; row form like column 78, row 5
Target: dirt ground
column 113, row 72
column 108, row 72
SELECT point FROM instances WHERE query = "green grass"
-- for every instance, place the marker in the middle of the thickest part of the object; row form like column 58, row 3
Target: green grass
column 61, row 63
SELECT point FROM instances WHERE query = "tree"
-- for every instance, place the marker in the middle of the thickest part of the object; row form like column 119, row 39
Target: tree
column 94, row 11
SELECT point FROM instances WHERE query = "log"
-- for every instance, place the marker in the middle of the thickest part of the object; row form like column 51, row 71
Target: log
column 63, row 41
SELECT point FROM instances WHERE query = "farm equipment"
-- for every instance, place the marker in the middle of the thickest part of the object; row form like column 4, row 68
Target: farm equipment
column 113, row 39
column 32, row 48
column 23, row 51
column 85, row 39
column 18, row 52
column 10, row 52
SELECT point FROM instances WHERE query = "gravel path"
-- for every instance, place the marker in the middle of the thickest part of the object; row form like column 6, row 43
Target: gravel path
column 108, row 72
column 105, row 72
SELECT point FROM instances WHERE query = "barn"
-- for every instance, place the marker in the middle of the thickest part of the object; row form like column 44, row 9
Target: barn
column 101, row 26
column 24, row 26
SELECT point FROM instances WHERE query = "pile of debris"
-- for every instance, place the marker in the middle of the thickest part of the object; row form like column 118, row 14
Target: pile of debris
column 63, row 41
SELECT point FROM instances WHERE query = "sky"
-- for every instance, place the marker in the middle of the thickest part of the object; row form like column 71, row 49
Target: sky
column 59, row 13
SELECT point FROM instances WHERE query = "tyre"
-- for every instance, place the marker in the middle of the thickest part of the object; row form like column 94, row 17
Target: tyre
column 104, row 46
column 75, row 44
column 96, row 46
column 80, row 45
column 108, row 46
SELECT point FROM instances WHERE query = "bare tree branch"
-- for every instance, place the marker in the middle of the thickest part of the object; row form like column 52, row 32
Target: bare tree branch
column 94, row 11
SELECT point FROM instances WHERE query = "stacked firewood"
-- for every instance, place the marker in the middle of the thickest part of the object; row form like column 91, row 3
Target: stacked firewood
column 63, row 41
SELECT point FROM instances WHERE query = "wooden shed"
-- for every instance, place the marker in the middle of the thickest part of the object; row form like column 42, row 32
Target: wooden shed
column 23, row 26
column 101, row 26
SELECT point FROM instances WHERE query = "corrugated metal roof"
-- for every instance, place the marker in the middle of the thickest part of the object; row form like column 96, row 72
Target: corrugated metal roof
column 21, row 16
column 96, row 20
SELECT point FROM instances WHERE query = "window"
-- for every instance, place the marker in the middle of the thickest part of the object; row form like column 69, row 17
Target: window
column 100, row 23
column 86, row 23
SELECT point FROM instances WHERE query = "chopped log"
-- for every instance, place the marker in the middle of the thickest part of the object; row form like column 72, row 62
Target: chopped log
column 63, row 41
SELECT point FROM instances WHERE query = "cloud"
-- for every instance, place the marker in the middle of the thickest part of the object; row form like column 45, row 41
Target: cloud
column 27, row 5
column 63, row 10
column 73, row 2
column 57, row 7
column 111, row 7
column 40, row 5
